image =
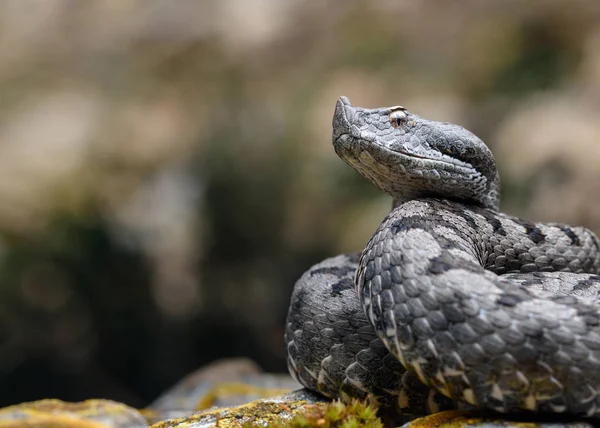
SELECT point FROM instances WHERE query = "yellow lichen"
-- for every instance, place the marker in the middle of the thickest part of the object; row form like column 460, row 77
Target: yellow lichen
column 457, row 419
column 224, row 390
column 330, row 415
column 295, row 414
column 263, row 412
column 54, row 413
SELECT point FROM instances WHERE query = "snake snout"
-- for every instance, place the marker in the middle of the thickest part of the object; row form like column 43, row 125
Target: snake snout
column 341, row 124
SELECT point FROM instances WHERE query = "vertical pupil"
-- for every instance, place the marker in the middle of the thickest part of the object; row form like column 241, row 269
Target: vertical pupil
column 397, row 118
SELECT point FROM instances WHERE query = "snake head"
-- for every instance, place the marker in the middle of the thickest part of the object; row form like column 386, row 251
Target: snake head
column 410, row 157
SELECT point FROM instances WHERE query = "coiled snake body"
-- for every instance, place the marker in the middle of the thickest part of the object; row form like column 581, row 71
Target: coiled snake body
column 457, row 302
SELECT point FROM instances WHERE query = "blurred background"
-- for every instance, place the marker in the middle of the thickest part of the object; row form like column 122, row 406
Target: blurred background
column 166, row 169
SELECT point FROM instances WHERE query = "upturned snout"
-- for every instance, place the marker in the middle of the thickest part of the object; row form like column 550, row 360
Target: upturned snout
column 341, row 124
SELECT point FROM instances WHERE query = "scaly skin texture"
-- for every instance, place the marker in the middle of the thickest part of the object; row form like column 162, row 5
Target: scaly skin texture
column 488, row 309
column 333, row 349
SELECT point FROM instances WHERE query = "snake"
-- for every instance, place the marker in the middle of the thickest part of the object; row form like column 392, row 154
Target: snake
column 451, row 303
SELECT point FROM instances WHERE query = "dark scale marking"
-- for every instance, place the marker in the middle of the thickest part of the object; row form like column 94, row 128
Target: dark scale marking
column 532, row 281
column 449, row 244
column 572, row 236
column 535, row 234
column 584, row 285
column 510, row 299
column 497, row 225
column 439, row 265
column 469, row 220
column 591, row 320
column 302, row 296
column 531, row 230
column 407, row 223
column 343, row 285
column 445, row 262
column 563, row 300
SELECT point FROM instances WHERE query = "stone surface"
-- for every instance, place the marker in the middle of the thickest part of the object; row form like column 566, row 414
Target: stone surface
column 457, row 419
column 231, row 393
column 225, row 383
column 260, row 412
column 57, row 413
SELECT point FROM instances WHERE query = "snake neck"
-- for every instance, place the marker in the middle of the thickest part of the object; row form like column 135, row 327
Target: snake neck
column 490, row 200
column 397, row 201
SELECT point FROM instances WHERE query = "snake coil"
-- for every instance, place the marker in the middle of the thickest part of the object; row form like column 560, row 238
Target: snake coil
column 451, row 301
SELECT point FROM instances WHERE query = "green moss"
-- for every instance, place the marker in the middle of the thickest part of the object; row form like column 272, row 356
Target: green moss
column 331, row 415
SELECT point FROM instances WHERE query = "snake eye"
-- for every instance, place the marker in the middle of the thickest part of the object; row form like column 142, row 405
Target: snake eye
column 398, row 118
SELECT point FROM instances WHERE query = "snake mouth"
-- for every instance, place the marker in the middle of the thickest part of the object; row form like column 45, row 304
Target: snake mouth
column 404, row 154
column 410, row 155
column 447, row 160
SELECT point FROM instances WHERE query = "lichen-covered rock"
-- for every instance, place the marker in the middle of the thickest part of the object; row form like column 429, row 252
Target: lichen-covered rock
column 225, row 383
column 57, row 413
column 235, row 393
column 224, row 391
column 458, row 419
column 271, row 411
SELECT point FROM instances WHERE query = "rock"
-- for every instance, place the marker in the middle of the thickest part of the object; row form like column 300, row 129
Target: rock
column 235, row 393
column 460, row 419
column 225, row 383
column 276, row 410
column 57, row 413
